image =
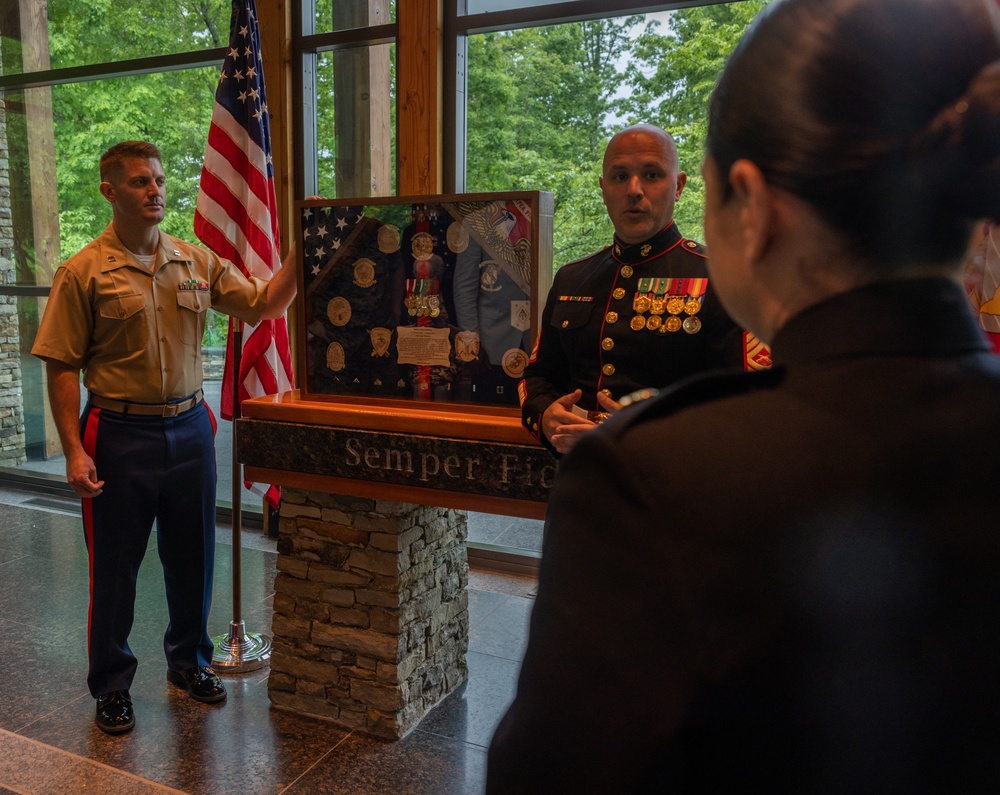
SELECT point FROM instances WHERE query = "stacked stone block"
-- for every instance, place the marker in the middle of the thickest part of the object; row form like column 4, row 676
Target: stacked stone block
column 371, row 621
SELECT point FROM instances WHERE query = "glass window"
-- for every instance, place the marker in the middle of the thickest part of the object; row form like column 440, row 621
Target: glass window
column 543, row 102
column 356, row 122
column 62, row 210
column 50, row 141
column 62, row 34
column 171, row 109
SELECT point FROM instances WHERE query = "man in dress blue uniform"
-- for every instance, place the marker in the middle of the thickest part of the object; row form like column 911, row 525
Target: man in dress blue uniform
column 129, row 311
column 637, row 315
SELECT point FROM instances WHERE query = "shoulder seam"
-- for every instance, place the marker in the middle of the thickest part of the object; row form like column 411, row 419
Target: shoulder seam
column 584, row 259
column 693, row 249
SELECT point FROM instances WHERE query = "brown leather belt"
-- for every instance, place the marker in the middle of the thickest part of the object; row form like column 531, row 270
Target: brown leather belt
column 147, row 409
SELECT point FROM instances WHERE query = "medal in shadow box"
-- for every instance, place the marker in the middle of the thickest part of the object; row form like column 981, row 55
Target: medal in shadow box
column 432, row 299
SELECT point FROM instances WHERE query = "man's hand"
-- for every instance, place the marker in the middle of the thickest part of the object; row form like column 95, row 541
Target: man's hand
column 606, row 403
column 561, row 426
column 81, row 474
column 64, row 398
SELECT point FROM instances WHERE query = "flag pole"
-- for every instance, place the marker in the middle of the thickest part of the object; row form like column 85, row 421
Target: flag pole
column 239, row 651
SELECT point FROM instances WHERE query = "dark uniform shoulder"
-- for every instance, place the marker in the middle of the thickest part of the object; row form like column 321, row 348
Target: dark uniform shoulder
column 696, row 390
column 694, row 247
column 588, row 258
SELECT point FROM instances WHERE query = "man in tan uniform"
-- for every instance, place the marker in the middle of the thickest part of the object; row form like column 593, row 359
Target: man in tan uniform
column 128, row 311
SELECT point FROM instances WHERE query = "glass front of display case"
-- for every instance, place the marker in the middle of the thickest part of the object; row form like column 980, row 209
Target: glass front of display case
column 431, row 298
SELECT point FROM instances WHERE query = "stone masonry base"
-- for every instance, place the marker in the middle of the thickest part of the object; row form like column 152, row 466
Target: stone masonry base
column 371, row 620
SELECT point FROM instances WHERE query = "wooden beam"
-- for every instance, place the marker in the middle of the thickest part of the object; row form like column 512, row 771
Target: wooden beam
column 419, row 101
column 276, row 46
column 275, row 20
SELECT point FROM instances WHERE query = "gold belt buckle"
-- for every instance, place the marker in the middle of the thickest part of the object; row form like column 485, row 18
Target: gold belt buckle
column 171, row 409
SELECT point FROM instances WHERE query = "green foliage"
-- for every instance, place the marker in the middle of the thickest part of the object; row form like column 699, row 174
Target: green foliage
column 543, row 102
column 492, row 94
column 102, row 31
column 216, row 330
column 537, row 102
column 672, row 78
column 170, row 109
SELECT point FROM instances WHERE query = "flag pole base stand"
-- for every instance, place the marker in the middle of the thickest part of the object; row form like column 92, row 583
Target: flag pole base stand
column 240, row 651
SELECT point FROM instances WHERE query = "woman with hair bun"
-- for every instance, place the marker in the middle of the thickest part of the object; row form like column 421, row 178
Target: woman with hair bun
column 893, row 149
column 790, row 580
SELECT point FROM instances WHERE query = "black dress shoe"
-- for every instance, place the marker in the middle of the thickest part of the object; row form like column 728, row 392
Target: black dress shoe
column 114, row 712
column 201, row 683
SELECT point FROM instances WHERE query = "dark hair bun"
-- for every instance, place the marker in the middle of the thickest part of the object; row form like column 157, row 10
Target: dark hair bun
column 960, row 149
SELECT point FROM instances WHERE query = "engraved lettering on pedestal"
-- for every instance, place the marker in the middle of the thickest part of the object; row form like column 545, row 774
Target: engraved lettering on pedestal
column 452, row 467
column 392, row 459
column 429, row 466
column 387, row 459
column 513, row 470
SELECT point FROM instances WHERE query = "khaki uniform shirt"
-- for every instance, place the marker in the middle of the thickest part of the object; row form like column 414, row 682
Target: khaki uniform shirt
column 136, row 331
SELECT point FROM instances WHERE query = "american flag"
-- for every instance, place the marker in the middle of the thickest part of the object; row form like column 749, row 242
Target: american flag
column 236, row 213
column 324, row 230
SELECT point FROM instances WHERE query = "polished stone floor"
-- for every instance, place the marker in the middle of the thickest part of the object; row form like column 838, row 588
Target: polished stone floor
column 48, row 741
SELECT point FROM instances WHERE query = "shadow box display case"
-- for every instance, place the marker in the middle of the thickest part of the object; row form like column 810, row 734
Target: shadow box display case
column 430, row 299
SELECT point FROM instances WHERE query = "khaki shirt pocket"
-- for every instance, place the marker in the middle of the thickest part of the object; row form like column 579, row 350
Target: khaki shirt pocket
column 192, row 304
column 124, row 322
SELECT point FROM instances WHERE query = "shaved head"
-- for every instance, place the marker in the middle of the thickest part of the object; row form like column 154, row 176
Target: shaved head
column 670, row 148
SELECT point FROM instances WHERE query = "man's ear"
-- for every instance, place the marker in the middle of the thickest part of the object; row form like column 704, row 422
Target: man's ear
column 682, row 179
column 108, row 191
column 756, row 207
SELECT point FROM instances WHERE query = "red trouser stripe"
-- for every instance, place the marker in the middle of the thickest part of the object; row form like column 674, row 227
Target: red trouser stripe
column 89, row 446
column 211, row 416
